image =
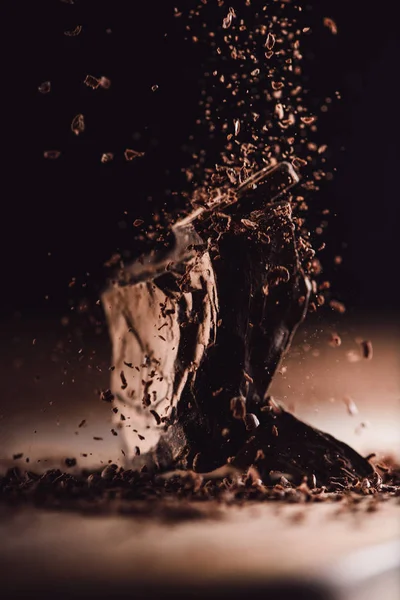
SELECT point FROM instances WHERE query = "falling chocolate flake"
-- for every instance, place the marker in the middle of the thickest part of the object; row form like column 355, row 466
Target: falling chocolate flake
column 337, row 306
column 277, row 85
column 73, row 32
column 137, row 451
column 123, row 381
column 270, row 42
column 114, row 432
column 82, row 423
column 275, row 431
column 237, row 126
column 154, row 88
column 367, row 349
column 156, row 416
column 238, row 407
column 97, row 438
column 227, row 21
column 107, row 157
column 107, row 396
column 331, row 25
column 92, row 82
column 45, row 87
column 298, row 162
column 335, row 340
column 251, row 421
column 17, row 456
column 52, row 154
column 138, row 222
column 351, row 405
column 70, row 462
column 105, row 82
column 132, row 154
column 78, row 124
column 307, row 120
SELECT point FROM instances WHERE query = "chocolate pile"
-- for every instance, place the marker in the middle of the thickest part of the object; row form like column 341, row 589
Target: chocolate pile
column 181, row 495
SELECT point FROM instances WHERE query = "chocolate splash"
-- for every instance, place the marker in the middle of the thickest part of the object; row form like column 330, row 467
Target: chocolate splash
column 203, row 328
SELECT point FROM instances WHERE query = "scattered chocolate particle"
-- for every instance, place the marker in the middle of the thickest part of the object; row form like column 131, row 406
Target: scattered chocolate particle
column 251, row 421
column 137, row 451
column 367, row 350
column 82, row 423
column 335, row 340
column 107, row 396
column 275, row 431
column 92, row 82
column 331, row 25
column 107, row 157
column 141, row 437
column 154, row 88
column 156, row 416
column 74, row 32
column 124, row 383
column 115, row 410
column 109, row 471
column 351, row 405
column 97, row 438
column 270, row 42
column 128, row 364
column 298, row 162
column 70, row 462
column 238, row 407
column 18, row 455
column 52, row 154
column 78, row 124
column 105, row 82
column 114, row 432
column 132, row 154
column 337, row 306
column 122, row 417
column 138, row 222
column 307, row 120
column 45, row 87
column 217, row 392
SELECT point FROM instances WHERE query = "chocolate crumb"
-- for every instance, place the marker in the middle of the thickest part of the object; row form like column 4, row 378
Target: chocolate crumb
column 123, row 380
column 156, row 416
column 367, row 350
column 107, row 396
column 238, row 407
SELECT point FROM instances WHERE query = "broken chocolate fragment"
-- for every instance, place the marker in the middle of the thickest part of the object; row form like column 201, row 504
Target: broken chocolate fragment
column 221, row 331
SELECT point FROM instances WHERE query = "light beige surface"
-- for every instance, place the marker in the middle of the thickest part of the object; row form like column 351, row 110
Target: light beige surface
column 253, row 543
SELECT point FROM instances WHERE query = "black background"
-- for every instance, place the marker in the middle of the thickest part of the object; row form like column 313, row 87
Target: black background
column 74, row 207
